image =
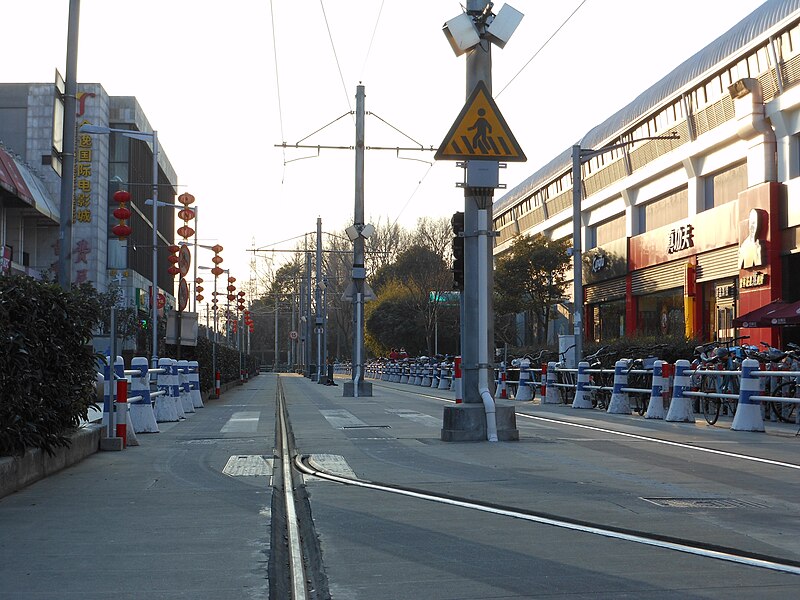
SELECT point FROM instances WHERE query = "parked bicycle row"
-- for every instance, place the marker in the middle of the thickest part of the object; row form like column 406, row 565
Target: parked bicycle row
column 638, row 383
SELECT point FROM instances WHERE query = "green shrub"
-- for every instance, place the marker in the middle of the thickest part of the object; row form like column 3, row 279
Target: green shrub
column 47, row 364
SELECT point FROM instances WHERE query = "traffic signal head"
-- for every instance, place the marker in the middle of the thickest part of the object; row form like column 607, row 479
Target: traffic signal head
column 457, row 222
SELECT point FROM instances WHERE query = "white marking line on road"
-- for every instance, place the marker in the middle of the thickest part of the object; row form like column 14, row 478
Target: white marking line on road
column 628, row 537
column 416, row 417
column 340, row 419
column 330, row 463
column 644, row 438
column 241, row 422
column 775, row 463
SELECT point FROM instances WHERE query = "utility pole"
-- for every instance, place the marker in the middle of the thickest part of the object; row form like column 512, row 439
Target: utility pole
column 68, row 150
column 472, row 139
column 318, row 324
column 357, row 386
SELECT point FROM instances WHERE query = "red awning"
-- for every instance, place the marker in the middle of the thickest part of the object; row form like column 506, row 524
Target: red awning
column 11, row 173
column 771, row 315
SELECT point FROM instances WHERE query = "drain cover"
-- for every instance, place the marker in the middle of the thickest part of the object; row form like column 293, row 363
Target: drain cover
column 704, row 503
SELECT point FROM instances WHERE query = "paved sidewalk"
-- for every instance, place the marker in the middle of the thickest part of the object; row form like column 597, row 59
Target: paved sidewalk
column 160, row 520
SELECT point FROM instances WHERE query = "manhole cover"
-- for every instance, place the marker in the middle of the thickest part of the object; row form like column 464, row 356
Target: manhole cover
column 704, row 503
column 248, row 466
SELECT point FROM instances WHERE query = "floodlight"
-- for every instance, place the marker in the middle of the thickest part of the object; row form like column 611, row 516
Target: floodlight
column 367, row 231
column 461, row 33
column 352, row 233
column 502, row 27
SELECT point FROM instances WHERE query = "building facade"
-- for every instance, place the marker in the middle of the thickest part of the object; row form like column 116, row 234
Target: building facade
column 31, row 119
column 688, row 233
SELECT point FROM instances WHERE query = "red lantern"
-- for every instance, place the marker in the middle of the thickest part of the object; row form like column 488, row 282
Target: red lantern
column 217, row 271
column 173, row 259
column 185, row 231
column 199, row 297
column 121, row 229
column 186, row 199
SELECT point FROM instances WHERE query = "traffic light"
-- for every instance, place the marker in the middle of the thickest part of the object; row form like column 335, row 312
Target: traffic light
column 457, row 222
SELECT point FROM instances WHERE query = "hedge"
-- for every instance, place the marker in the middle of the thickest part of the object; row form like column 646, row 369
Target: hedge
column 47, row 364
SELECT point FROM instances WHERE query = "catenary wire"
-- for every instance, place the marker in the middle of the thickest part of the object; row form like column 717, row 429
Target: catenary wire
column 335, row 56
column 535, row 54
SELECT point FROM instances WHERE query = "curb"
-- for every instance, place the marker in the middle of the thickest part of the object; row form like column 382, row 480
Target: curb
column 17, row 472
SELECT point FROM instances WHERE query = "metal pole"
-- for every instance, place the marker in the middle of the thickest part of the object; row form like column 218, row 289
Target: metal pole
column 194, row 287
column 154, row 299
column 577, row 277
column 214, row 343
column 479, row 68
column 360, row 388
column 307, row 332
column 318, row 301
column 275, row 365
column 68, row 150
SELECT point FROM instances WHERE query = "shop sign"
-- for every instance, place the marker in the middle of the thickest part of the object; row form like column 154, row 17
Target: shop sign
column 598, row 263
column 725, row 291
column 757, row 279
column 680, row 238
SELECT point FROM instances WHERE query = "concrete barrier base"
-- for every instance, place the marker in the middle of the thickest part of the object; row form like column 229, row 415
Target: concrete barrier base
column 364, row 389
column 467, row 423
column 16, row 472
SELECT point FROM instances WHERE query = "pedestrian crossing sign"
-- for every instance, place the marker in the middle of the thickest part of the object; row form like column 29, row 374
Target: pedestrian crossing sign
column 480, row 132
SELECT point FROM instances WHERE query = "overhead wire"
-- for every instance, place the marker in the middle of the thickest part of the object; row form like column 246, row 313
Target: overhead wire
column 535, row 54
column 371, row 39
column 277, row 83
column 335, row 56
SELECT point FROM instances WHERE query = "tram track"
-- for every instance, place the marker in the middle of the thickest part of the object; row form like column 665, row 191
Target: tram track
column 295, row 568
column 304, row 464
column 300, row 465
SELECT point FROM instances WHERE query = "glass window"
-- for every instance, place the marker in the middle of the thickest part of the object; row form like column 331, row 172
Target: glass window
column 724, row 186
column 665, row 210
column 605, row 232
column 661, row 313
column 608, row 320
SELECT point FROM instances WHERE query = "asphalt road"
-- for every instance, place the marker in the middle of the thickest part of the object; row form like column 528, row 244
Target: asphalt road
column 187, row 514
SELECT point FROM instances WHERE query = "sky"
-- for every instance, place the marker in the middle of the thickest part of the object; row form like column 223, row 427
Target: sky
column 225, row 83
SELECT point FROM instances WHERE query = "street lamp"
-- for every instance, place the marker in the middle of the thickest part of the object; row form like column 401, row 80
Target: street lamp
column 217, row 271
column 153, row 137
column 579, row 156
column 194, row 258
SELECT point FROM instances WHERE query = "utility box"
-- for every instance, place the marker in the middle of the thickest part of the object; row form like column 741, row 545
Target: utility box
column 566, row 344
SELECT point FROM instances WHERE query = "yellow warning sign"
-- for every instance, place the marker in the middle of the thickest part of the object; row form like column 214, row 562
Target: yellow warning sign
column 480, row 132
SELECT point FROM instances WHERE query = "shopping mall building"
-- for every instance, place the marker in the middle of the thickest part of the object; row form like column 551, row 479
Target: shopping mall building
column 695, row 233
column 31, row 122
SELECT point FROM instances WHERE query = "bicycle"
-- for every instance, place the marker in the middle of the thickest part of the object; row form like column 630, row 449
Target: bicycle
column 567, row 381
column 601, row 379
column 640, row 383
column 721, row 356
column 777, row 386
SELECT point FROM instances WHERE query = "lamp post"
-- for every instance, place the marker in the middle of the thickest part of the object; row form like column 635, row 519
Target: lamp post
column 194, row 209
column 580, row 156
column 153, row 137
column 217, row 271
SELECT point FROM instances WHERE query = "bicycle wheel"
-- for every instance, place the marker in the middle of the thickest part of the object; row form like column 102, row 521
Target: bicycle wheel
column 710, row 408
column 784, row 410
